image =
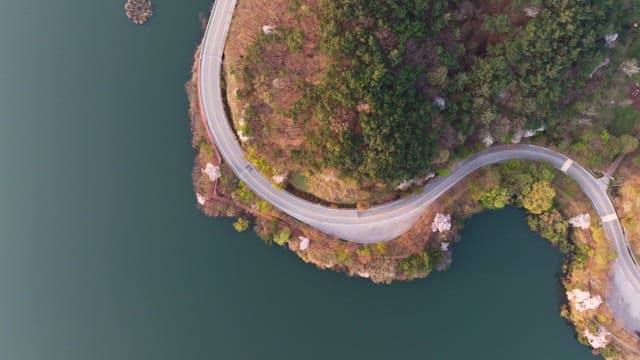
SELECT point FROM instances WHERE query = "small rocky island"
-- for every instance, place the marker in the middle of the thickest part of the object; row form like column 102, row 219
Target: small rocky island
column 138, row 11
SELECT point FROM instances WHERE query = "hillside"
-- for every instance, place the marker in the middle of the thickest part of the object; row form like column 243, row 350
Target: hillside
column 345, row 99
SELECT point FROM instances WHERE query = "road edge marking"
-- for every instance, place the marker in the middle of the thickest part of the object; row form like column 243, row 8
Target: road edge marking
column 567, row 164
column 609, row 218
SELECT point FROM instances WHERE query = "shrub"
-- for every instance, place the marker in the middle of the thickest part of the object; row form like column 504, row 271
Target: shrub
column 495, row 198
column 540, row 198
column 241, row 224
column 294, row 40
column 628, row 143
column 283, row 236
column 416, row 264
column 552, row 226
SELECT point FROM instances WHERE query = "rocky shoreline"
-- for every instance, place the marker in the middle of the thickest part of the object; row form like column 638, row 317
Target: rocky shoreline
column 138, row 11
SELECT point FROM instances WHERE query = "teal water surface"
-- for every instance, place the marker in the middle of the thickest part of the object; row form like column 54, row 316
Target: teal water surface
column 103, row 254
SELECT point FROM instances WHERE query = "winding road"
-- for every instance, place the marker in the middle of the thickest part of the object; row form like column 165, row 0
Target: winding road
column 385, row 222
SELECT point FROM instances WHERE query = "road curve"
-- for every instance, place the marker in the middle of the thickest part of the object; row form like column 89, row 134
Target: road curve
column 385, row 222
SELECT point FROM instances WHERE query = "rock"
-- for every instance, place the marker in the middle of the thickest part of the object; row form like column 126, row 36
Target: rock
column 517, row 137
column 441, row 223
column 279, row 83
column 583, row 301
column 138, row 11
column 405, row 185
column 582, row 221
column 201, row 199
column 440, row 102
column 304, row 243
column 444, row 246
column 522, row 134
column 610, row 40
column 487, row 139
column 599, row 340
column 212, row 171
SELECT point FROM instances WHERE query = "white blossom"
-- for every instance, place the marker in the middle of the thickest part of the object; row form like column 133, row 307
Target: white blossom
column 487, row 139
column 630, row 67
column 599, row 340
column 212, row 171
column 582, row 221
column 440, row 102
column 279, row 179
column 243, row 137
column 444, row 246
column 201, row 199
column 531, row 11
column 583, row 301
column 304, row 242
column 441, row 223
column 268, row 29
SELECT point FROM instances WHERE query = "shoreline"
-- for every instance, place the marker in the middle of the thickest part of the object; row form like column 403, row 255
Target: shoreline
column 461, row 206
column 297, row 228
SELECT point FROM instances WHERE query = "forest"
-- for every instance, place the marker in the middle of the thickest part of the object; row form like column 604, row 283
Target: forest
column 411, row 84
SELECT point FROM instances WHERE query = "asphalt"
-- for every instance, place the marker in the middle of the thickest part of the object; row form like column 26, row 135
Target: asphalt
column 385, row 222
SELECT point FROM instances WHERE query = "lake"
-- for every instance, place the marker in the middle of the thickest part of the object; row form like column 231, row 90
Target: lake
column 103, row 254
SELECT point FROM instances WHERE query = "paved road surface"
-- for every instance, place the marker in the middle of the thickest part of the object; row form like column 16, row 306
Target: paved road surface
column 388, row 221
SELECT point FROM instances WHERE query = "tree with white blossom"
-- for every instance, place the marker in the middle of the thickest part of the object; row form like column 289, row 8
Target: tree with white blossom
column 598, row 340
column 212, row 171
column 441, row 223
column 279, row 179
column 304, row 243
column 630, row 67
column 583, row 301
column 582, row 221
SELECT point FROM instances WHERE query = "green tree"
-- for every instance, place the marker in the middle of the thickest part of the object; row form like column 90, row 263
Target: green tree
column 498, row 23
column 241, row 224
column 628, row 143
column 283, row 236
column 540, row 198
column 553, row 226
column 625, row 121
column 416, row 264
column 495, row 198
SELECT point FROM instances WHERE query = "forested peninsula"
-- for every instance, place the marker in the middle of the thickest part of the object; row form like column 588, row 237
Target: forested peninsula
column 354, row 103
